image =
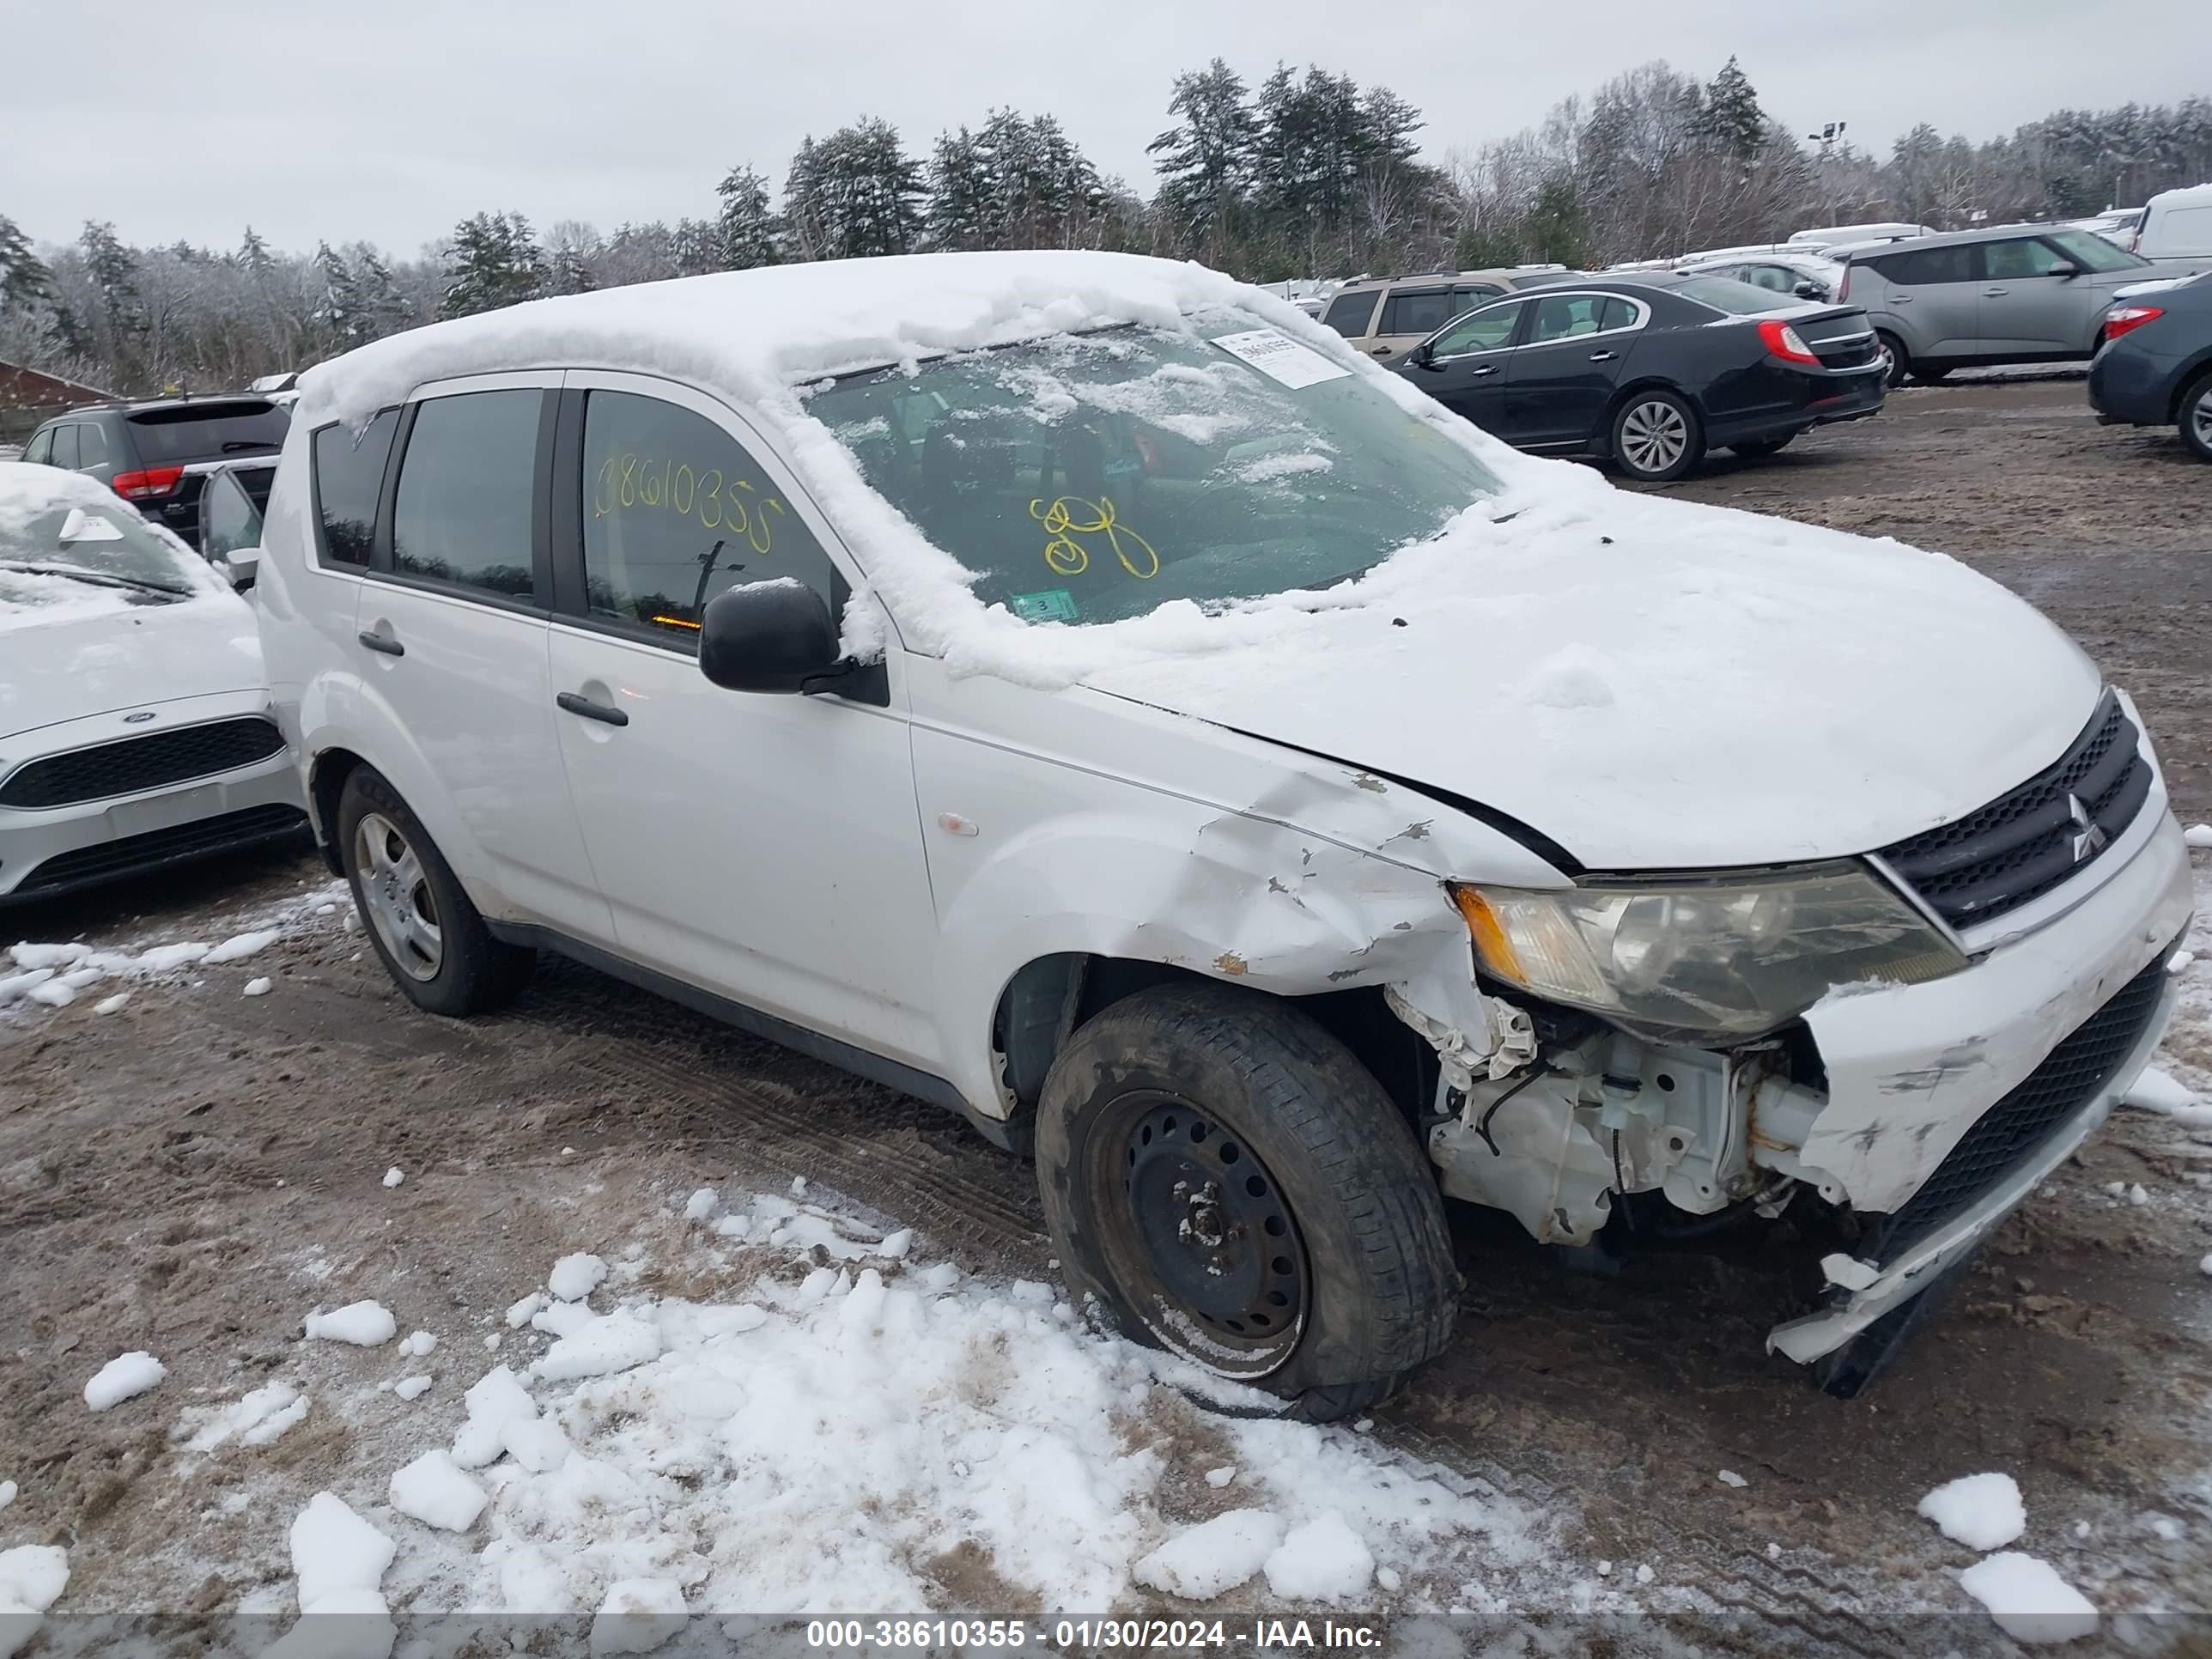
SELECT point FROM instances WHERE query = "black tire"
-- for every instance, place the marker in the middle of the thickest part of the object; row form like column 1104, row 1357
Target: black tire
column 1760, row 448
column 1239, row 1117
column 469, row 972
column 2193, row 413
column 1900, row 361
column 1641, row 427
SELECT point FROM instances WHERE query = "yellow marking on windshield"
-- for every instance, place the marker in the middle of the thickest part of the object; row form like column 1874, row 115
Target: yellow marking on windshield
column 1068, row 557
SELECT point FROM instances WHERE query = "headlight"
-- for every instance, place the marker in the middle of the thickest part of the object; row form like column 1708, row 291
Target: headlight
column 1726, row 955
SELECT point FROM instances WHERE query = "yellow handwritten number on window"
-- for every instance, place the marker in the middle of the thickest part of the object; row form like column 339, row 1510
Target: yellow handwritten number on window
column 1068, row 557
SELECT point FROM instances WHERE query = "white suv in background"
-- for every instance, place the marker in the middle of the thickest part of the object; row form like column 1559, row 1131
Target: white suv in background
column 1086, row 692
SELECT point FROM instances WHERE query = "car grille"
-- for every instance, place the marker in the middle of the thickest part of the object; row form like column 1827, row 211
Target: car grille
column 160, row 847
column 2025, row 844
column 2071, row 1076
column 133, row 764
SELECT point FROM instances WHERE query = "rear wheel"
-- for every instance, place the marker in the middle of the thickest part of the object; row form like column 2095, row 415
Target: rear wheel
column 2194, row 418
column 1656, row 437
column 1759, row 449
column 430, row 939
column 1229, row 1184
column 1896, row 360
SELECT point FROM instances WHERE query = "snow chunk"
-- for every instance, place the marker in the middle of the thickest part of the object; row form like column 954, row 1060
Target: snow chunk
column 697, row 1207
column 2137, row 1196
column 638, row 1615
column 256, row 1418
column 1322, row 1560
column 7, row 1493
column 576, row 1277
column 1982, row 1511
column 419, row 1344
column 336, row 1554
column 1200, row 1563
column 364, row 1324
column 2198, row 834
column 896, row 1244
column 55, row 993
column 2154, row 1090
column 1731, row 1478
column 2028, row 1599
column 496, row 1399
column 1848, row 1272
column 614, row 1343
column 122, row 1378
column 240, row 947
column 112, row 1004
column 394, row 1176
column 1221, row 1477
column 522, row 1312
column 433, row 1490
column 34, row 1576
column 258, row 988
column 562, row 1318
column 407, row 1387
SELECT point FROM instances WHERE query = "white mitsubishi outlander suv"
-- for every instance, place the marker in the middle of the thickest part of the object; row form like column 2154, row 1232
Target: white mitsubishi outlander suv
column 1080, row 690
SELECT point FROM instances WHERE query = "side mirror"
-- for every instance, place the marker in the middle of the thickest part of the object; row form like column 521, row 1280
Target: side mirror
column 1423, row 356
column 242, row 564
column 2065, row 268
column 1811, row 291
column 768, row 637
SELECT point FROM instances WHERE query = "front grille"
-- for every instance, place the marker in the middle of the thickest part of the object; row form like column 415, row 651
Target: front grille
column 132, row 764
column 160, row 847
column 2071, row 1076
column 2023, row 844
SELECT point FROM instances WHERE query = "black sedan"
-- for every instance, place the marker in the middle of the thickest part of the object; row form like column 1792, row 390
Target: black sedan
column 2155, row 366
column 1652, row 370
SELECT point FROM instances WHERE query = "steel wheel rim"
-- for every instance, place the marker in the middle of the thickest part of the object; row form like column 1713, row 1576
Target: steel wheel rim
column 1653, row 436
column 396, row 893
column 1198, row 1235
column 2200, row 418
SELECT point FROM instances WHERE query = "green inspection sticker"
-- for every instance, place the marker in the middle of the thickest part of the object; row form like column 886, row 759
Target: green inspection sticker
column 1053, row 604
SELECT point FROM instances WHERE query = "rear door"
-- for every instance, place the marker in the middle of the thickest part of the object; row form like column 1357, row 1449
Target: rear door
column 1466, row 368
column 1933, row 299
column 452, row 640
column 1410, row 315
column 1560, row 378
column 1352, row 315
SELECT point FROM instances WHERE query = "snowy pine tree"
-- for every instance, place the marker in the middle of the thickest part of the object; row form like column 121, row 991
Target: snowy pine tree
column 1205, row 160
column 1729, row 118
column 746, row 229
column 24, row 279
column 495, row 262
column 339, row 313
column 960, row 210
column 854, row 193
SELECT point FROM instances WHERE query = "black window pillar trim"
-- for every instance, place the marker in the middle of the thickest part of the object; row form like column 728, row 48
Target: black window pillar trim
column 387, row 494
column 561, row 493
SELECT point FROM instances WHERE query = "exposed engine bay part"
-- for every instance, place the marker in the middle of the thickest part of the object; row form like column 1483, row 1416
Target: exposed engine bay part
column 1506, row 1044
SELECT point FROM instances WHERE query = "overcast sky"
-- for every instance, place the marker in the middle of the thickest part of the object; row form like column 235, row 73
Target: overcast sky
column 391, row 119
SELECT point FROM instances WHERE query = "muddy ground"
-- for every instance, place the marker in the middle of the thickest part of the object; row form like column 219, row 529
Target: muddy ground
column 192, row 1174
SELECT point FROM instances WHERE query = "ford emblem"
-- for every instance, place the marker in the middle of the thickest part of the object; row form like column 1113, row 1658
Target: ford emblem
column 138, row 719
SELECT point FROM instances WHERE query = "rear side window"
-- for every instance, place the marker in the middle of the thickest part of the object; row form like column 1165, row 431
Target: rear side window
column 675, row 511
column 1349, row 315
column 1619, row 313
column 467, row 486
column 91, row 446
column 349, row 479
column 1925, row 266
column 65, row 446
column 1563, row 316
column 1465, row 298
column 1423, row 312
column 208, row 432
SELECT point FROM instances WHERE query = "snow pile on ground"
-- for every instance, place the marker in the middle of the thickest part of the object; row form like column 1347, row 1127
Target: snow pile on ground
column 838, row 1436
column 2028, row 1599
column 123, row 1379
column 32, row 1579
column 576, row 1277
column 2157, row 1091
column 52, row 975
column 1982, row 1511
column 339, row 1561
column 256, row 1418
column 364, row 1324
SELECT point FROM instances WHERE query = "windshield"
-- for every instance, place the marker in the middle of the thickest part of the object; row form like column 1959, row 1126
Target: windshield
column 132, row 554
column 2093, row 252
column 1738, row 299
column 1089, row 477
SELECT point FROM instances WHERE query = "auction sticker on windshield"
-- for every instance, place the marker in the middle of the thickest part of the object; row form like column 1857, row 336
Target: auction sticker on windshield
column 1280, row 357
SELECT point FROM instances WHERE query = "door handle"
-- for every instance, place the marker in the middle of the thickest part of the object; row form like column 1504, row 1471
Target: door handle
column 1995, row 292
column 1601, row 356
column 1486, row 368
column 1900, row 299
column 576, row 703
column 384, row 642
column 1379, row 351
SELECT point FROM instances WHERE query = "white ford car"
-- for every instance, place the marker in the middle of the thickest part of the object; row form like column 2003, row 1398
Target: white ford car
column 135, row 726
column 1079, row 690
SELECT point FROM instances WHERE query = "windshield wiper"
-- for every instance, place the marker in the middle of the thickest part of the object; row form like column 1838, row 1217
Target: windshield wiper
column 96, row 578
column 236, row 444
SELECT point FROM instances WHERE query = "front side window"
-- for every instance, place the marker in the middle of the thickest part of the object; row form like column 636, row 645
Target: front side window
column 1483, row 331
column 65, row 446
column 91, row 446
column 467, row 485
column 1775, row 279
column 2028, row 256
column 40, row 451
column 1088, row 477
column 1423, row 311
column 674, row 512
column 2093, row 252
column 1349, row 315
column 349, row 479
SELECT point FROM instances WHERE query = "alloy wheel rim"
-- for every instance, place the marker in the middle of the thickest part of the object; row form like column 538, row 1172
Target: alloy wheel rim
column 1654, row 435
column 1199, row 1236
column 2200, row 418
column 395, row 892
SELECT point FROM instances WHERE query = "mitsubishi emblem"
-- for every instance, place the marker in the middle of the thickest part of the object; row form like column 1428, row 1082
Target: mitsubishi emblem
column 2089, row 837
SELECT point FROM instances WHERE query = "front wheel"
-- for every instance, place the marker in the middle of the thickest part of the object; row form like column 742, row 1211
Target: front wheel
column 1896, row 361
column 1229, row 1183
column 1656, row 437
column 2195, row 416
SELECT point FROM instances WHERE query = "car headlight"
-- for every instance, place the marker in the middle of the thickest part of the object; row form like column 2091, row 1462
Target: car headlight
column 1731, row 954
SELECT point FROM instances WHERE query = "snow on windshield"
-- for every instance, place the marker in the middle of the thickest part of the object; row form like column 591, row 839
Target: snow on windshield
column 131, row 556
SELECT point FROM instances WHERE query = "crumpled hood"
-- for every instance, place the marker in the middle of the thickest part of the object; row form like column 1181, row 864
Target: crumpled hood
column 1655, row 684
column 92, row 656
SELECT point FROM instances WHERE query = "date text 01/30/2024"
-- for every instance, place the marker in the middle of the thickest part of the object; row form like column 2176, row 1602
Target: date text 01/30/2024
column 1089, row 1635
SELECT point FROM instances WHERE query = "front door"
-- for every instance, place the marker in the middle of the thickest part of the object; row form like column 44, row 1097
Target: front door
column 1465, row 370
column 2025, row 307
column 1561, row 377
column 763, row 847
column 452, row 626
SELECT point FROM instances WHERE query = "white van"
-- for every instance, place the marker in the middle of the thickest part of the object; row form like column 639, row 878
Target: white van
column 1085, row 692
column 2177, row 230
